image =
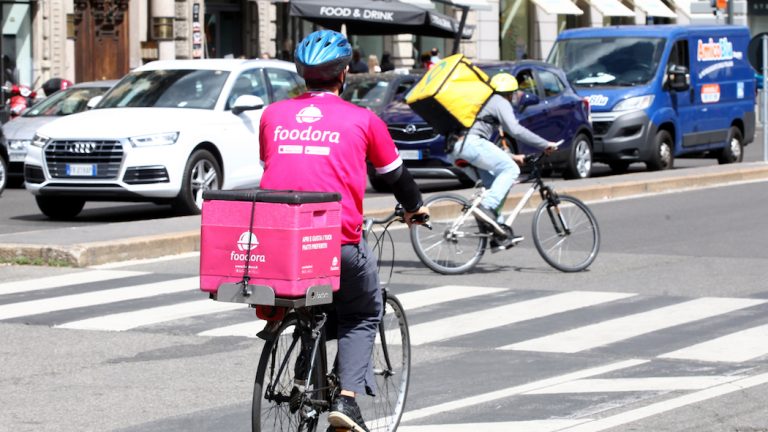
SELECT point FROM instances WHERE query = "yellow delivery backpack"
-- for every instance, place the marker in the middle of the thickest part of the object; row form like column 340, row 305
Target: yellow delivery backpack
column 450, row 95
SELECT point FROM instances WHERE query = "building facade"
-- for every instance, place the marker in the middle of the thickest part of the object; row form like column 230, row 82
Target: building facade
column 83, row 40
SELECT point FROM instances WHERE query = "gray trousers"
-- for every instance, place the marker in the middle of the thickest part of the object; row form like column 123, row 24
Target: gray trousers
column 359, row 308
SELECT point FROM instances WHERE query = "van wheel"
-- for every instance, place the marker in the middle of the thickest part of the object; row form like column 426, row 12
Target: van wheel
column 377, row 183
column 734, row 149
column 60, row 208
column 619, row 167
column 579, row 163
column 662, row 157
column 202, row 173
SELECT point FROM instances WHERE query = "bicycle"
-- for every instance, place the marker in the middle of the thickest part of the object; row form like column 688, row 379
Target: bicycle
column 296, row 345
column 565, row 232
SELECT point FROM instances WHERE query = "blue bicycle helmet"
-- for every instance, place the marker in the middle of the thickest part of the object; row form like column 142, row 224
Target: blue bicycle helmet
column 322, row 55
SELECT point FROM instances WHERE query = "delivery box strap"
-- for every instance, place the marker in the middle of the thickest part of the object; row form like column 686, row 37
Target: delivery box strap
column 246, row 277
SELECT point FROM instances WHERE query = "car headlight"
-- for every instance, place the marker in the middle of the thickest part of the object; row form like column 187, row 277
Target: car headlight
column 18, row 145
column 155, row 139
column 39, row 140
column 634, row 103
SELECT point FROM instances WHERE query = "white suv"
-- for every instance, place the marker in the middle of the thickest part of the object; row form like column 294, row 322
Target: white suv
column 164, row 133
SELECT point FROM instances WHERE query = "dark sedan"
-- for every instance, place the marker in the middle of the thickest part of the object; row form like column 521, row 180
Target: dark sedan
column 551, row 108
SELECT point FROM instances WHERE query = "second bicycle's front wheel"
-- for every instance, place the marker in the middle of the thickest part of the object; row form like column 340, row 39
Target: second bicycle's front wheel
column 456, row 241
column 391, row 368
column 566, row 234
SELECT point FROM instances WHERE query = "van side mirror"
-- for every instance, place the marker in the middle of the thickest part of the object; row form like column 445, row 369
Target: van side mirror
column 92, row 102
column 678, row 78
column 526, row 100
column 247, row 103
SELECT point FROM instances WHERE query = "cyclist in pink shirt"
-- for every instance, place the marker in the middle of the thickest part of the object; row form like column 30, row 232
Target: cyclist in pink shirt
column 319, row 142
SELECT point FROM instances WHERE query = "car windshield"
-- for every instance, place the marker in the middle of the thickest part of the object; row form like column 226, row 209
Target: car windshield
column 370, row 93
column 608, row 62
column 183, row 88
column 65, row 102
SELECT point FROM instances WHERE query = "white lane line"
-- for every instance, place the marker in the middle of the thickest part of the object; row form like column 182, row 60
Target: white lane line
column 668, row 405
column 459, row 325
column 76, row 278
column 516, row 426
column 246, row 329
column 517, row 390
column 144, row 317
column 615, row 330
column 54, row 304
column 442, row 294
column 120, row 264
column 637, row 384
column 734, row 348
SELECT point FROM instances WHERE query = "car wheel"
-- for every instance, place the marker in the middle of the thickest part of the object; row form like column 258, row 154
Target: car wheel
column 377, row 183
column 662, row 157
column 579, row 163
column 202, row 173
column 734, row 149
column 619, row 167
column 3, row 174
column 60, row 208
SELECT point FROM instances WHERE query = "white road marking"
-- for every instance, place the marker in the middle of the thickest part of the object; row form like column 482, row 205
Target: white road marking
column 54, row 304
column 144, row 317
column 552, row 425
column 517, row 390
column 463, row 324
column 668, row 405
column 619, row 329
column 442, row 294
column 77, row 278
column 165, row 258
column 246, row 329
column 637, row 384
column 734, row 348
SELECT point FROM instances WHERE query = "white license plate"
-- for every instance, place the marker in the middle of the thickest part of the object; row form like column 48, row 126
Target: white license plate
column 410, row 154
column 81, row 170
column 17, row 156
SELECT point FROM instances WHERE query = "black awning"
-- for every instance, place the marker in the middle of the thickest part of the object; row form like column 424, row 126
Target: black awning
column 377, row 17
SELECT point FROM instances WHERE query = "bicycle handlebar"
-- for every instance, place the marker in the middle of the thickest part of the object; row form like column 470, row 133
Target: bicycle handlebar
column 399, row 215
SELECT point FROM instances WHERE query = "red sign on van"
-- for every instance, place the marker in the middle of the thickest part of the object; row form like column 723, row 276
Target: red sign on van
column 710, row 93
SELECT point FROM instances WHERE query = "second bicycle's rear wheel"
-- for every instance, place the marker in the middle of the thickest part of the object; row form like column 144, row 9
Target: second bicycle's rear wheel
column 566, row 235
column 391, row 367
column 449, row 248
column 271, row 410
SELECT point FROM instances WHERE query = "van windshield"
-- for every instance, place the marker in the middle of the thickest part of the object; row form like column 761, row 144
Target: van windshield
column 608, row 62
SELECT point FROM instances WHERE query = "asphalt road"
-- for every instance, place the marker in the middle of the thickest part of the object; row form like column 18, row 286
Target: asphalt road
column 658, row 255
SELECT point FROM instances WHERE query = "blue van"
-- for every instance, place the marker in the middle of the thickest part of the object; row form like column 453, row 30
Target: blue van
column 660, row 92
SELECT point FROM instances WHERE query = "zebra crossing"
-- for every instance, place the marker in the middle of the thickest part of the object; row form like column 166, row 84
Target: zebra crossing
column 727, row 332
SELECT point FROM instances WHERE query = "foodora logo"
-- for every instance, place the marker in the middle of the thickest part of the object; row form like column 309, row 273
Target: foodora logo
column 246, row 243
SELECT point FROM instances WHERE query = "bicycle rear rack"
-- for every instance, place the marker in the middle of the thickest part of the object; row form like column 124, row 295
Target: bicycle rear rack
column 240, row 292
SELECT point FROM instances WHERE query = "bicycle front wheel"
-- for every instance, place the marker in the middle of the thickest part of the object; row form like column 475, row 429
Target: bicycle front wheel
column 566, row 234
column 271, row 409
column 392, row 369
column 456, row 241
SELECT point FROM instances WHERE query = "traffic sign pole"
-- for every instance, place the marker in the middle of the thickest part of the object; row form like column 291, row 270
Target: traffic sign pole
column 764, row 108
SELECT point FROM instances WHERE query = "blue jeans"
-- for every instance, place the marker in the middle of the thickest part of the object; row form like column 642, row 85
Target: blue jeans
column 496, row 168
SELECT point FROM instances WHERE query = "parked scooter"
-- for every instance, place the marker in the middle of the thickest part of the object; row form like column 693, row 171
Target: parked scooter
column 18, row 97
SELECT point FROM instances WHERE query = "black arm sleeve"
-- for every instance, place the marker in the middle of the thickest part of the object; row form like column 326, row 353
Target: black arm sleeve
column 405, row 188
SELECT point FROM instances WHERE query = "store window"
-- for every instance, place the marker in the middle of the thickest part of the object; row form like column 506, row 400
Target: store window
column 514, row 29
column 16, row 45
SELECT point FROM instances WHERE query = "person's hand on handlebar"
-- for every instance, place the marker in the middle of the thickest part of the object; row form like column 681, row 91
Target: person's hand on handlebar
column 552, row 147
column 419, row 217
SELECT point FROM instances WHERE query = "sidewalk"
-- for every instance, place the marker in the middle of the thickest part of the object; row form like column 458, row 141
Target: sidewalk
column 92, row 245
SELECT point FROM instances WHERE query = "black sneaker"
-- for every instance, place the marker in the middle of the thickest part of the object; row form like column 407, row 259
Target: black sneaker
column 488, row 217
column 346, row 414
column 498, row 244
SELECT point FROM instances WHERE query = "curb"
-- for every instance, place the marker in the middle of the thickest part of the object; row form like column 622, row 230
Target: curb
column 154, row 246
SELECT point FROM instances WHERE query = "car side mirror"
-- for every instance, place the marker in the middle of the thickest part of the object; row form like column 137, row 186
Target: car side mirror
column 247, row 103
column 678, row 78
column 92, row 102
column 526, row 100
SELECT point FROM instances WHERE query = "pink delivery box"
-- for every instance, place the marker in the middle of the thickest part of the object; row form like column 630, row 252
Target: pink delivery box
column 287, row 240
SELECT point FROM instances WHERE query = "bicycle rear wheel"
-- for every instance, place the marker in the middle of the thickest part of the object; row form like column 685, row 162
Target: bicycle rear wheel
column 274, row 381
column 449, row 248
column 566, row 234
column 392, row 367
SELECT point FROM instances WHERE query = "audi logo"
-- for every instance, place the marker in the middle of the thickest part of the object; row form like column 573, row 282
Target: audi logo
column 81, row 147
column 410, row 129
